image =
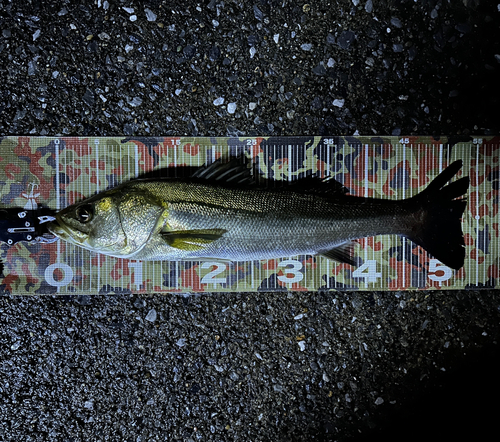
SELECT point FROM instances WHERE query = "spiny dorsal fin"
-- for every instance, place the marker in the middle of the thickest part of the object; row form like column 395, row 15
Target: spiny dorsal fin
column 232, row 172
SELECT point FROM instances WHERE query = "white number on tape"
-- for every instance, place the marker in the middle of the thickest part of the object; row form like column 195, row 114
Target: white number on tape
column 294, row 270
column 66, row 271
column 367, row 271
column 436, row 266
column 210, row 277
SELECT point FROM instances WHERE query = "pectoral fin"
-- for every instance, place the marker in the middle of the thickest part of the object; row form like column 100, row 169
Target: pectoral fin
column 191, row 240
column 342, row 253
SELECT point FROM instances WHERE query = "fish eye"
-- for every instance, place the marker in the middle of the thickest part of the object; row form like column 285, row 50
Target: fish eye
column 84, row 213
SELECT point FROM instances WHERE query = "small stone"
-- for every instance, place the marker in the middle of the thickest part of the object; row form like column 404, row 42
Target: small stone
column 252, row 106
column 276, row 38
column 258, row 14
column 150, row 15
column 345, row 39
column 396, row 22
column 320, row 69
column 181, row 342
column 139, row 303
column 36, row 34
column 214, row 53
column 231, row 108
column 306, row 46
column 20, row 114
column 218, row 101
column 253, row 51
column 88, row 97
column 379, row 401
column 151, row 316
column 133, row 17
column 136, row 101
column 338, row 102
column 302, row 345
column 369, row 6
column 129, row 10
column 89, row 404
column 128, row 48
column 15, row 345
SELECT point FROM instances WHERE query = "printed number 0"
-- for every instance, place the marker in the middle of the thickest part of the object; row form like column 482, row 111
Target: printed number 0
column 67, row 271
column 295, row 271
column 435, row 266
column 209, row 278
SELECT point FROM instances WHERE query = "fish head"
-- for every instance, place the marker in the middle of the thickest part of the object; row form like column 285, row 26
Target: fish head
column 93, row 224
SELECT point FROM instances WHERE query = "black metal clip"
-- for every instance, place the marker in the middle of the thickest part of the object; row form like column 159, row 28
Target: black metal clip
column 18, row 224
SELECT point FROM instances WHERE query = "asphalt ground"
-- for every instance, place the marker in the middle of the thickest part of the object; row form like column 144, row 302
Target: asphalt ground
column 260, row 366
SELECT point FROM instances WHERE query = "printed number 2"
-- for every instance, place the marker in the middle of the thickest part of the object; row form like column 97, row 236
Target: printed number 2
column 210, row 277
column 436, row 266
column 368, row 271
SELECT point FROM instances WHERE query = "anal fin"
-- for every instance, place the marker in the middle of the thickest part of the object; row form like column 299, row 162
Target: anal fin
column 342, row 253
column 191, row 240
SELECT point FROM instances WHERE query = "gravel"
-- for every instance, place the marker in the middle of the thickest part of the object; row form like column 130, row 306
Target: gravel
column 267, row 366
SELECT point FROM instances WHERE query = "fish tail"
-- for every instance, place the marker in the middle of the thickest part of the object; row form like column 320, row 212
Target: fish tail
column 438, row 228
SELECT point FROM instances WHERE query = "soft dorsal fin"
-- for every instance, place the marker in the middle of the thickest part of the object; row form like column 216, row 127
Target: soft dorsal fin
column 318, row 186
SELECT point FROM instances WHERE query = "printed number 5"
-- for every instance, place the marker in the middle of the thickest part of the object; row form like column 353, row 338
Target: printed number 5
column 435, row 266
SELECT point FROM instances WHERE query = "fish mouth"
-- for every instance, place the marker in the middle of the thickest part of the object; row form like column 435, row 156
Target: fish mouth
column 64, row 232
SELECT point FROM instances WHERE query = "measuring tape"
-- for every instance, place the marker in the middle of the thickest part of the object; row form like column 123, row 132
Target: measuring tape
column 55, row 172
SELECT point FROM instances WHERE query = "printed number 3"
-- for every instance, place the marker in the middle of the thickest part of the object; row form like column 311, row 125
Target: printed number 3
column 294, row 270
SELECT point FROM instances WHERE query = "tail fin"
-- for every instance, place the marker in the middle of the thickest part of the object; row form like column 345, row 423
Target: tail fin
column 439, row 230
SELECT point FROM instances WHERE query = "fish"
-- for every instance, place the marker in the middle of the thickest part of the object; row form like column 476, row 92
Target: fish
column 221, row 213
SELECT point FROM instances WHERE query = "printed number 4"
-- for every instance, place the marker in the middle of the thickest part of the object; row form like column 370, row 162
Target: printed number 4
column 368, row 271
